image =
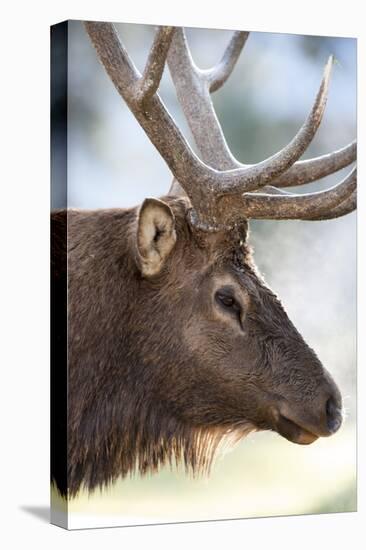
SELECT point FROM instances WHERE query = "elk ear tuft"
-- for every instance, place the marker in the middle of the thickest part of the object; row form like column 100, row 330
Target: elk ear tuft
column 156, row 235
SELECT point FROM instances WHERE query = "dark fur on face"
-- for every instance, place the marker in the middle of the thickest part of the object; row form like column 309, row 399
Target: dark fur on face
column 165, row 364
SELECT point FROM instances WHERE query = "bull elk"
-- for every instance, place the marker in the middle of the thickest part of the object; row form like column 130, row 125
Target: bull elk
column 175, row 342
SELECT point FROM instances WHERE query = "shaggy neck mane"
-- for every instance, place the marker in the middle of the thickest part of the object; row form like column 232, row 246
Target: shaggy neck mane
column 142, row 440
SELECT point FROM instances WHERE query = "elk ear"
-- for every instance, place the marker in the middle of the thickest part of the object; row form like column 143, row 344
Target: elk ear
column 156, row 235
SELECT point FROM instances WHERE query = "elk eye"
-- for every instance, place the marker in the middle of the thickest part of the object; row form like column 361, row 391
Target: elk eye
column 227, row 301
column 229, row 304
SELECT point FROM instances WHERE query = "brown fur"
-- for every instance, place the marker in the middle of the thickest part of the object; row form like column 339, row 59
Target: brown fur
column 158, row 371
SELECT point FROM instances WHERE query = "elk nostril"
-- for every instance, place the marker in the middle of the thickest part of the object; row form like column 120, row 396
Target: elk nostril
column 333, row 415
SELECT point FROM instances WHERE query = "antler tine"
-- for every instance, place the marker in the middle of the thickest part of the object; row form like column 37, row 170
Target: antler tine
column 306, row 171
column 345, row 207
column 289, row 206
column 152, row 115
column 266, row 171
column 192, row 86
column 155, row 64
column 218, row 75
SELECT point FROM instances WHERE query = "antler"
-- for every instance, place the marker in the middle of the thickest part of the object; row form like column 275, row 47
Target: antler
column 149, row 83
column 194, row 89
column 220, row 188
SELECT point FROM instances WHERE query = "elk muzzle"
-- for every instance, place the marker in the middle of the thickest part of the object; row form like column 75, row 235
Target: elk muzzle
column 304, row 423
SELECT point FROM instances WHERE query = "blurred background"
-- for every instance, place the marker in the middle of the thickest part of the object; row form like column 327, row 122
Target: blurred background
column 111, row 163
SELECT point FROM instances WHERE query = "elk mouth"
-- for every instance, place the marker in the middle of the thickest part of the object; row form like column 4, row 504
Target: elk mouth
column 294, row 432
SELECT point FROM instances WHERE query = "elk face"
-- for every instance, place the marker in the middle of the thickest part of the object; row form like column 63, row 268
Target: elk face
column 233, row 359
column 256, row 363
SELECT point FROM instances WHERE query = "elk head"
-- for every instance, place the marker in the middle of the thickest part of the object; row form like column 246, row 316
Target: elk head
column 245, row 365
